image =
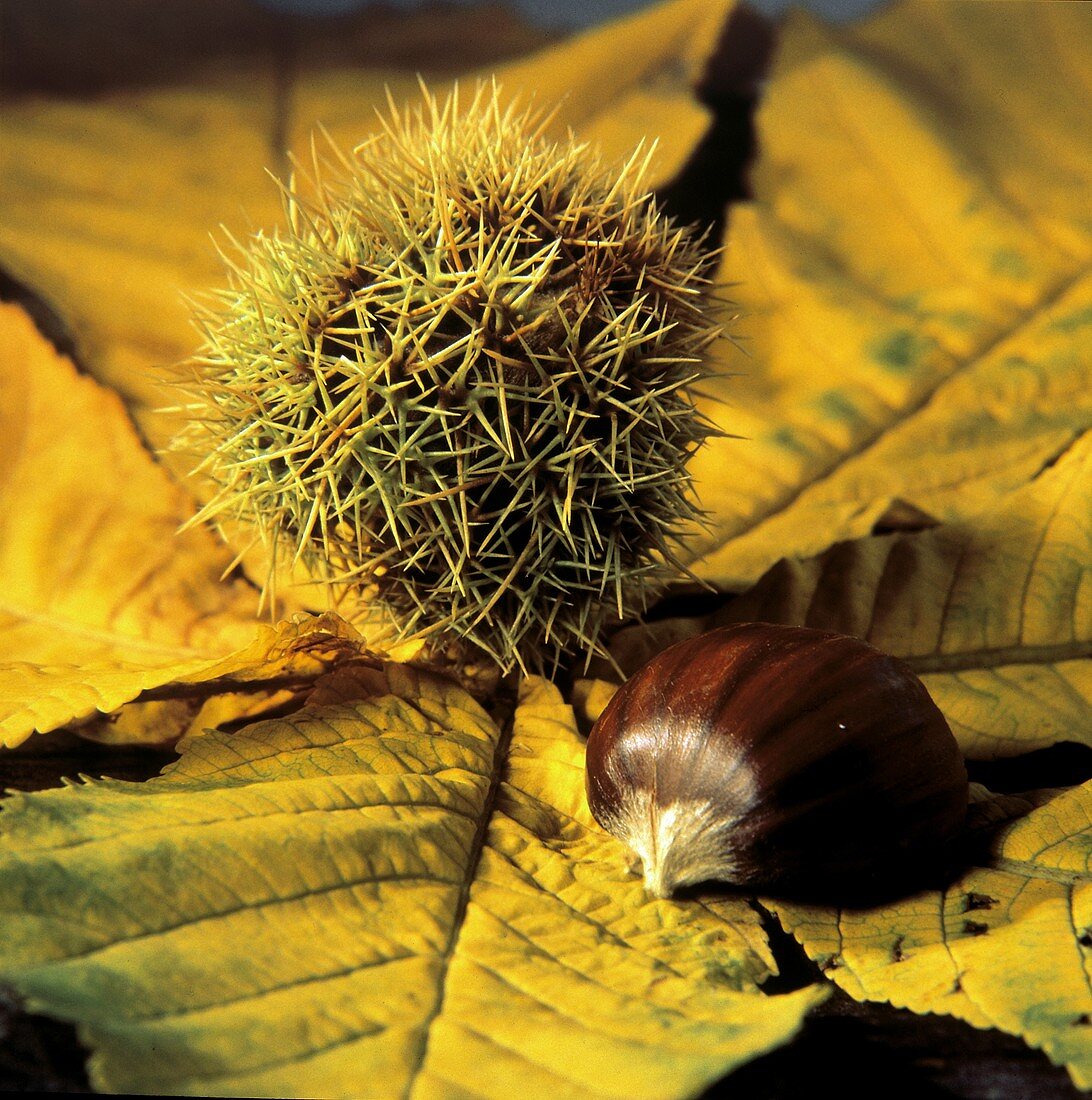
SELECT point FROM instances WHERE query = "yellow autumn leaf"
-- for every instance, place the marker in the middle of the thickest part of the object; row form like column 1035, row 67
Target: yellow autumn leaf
column 1007, row 945
column 628, row 82
column 112, row 241
column 39, row 697
column 277, row 670
column 381, row 896
column 101, row 599
column 164, row 722
column 994, row 614
column 912, row 278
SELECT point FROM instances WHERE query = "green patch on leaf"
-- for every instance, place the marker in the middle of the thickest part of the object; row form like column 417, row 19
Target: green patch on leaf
column 837, row 405
column 1009, row 263
column 900, row 352
column 788, row 440
column 1074, row 321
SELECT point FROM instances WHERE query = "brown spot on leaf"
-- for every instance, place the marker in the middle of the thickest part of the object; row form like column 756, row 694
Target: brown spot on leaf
column 978, row 901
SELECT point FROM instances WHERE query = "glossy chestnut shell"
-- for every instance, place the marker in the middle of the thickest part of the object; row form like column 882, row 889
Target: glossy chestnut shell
column 791, row 760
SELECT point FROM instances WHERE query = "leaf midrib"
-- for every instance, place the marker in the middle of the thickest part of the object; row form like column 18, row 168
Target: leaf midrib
column 477, row 847
column 973, row 659
column 1031, row 870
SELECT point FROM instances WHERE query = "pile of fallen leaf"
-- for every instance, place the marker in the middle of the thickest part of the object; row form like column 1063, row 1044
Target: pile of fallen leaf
column 357, row 880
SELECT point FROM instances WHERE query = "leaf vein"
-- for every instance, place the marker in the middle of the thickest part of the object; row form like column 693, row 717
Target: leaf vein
column 264, row 903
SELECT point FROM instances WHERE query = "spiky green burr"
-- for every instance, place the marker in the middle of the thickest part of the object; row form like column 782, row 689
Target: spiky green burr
column 458, row 382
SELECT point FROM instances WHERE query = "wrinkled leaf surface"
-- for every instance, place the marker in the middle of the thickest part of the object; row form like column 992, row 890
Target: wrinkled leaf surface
column 380, row 895
column 1007, row 945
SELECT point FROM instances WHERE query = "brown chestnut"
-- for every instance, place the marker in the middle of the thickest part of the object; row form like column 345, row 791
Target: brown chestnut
column 791, row 760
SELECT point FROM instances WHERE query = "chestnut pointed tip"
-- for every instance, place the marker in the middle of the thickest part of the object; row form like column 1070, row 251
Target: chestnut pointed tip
column 679, row 845
column 655, row 882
